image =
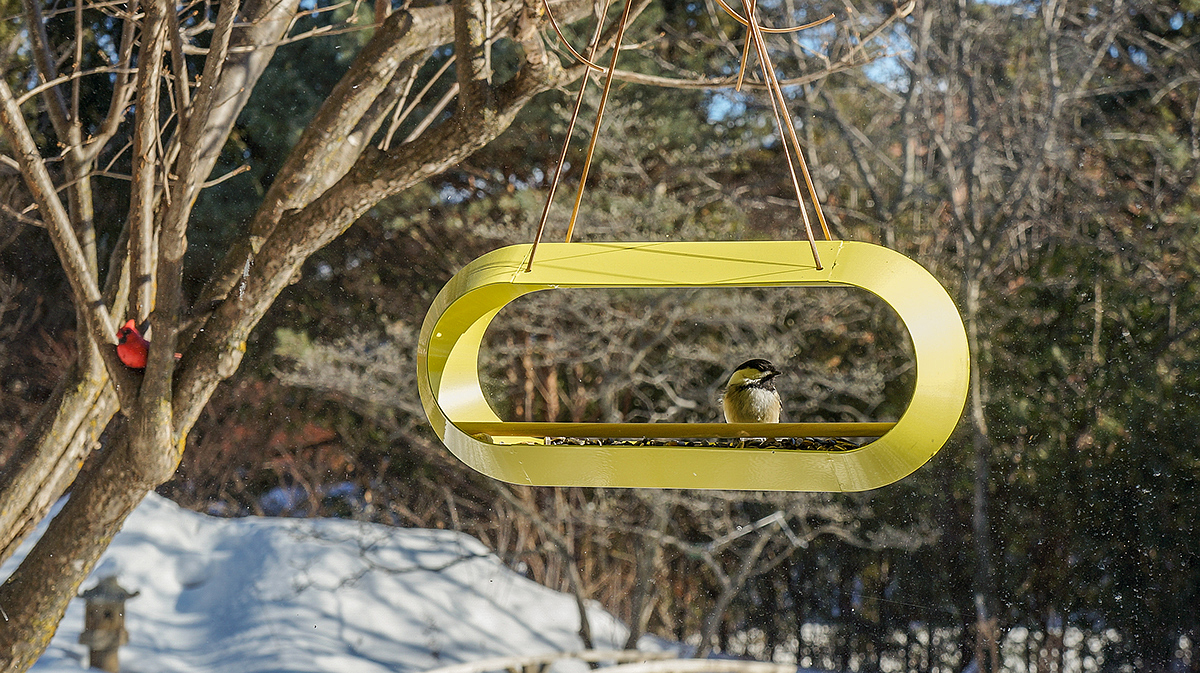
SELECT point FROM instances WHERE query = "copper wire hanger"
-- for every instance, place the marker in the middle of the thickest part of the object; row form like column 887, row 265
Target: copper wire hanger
column 754, row 36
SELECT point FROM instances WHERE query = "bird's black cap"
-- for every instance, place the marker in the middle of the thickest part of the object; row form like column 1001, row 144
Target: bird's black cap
column 760, row 365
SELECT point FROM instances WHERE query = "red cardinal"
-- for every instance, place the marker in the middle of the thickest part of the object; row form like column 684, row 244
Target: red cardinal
column 132, row 348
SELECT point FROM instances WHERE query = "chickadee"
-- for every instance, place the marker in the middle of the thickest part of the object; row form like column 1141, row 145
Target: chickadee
column 750, row 395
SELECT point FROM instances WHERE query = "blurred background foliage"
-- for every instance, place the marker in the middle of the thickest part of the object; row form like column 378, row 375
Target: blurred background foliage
column 1040, row 158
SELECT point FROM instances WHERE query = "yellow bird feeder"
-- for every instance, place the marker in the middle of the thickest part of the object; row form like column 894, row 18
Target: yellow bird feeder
column 448, row 351
column 453, row 398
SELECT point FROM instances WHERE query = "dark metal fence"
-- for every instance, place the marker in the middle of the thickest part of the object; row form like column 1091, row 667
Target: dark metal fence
column 923, row 648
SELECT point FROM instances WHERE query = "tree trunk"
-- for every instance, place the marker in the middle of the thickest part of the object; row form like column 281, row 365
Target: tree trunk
column 35, row 597
column 48, row 459
column 162, row 403
column 986, row 627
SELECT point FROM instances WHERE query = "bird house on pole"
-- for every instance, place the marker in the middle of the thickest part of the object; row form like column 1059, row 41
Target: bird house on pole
column 104, row 623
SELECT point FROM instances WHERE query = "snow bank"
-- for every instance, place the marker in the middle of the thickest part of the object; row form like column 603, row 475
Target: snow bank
column 315, row 596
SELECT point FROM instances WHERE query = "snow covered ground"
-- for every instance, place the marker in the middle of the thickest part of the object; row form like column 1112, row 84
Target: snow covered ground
column 314, row 596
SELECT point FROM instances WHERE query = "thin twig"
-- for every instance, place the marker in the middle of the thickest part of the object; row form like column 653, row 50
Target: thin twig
column 399, row 114
column 73, row 78
column 419, row 97
column 83, row 284
column 55, row 105
column 433, row 114
column 22, row 217
column 78, row 64
column 324, row 31
column 235, row 172
column 122, row 91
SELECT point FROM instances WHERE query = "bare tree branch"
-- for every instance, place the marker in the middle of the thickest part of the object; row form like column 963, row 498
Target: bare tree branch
column 563, row 548
column 471, row 37
column 319, row 158
column 146, row 162
column 72, row 78
column 190, row 168
column 122, row 89
column 183, row 87
column 87, row 294
column 56, row 104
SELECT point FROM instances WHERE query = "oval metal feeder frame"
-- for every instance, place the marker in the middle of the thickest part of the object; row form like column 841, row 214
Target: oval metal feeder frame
column 453, row 332
column 453, row 398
